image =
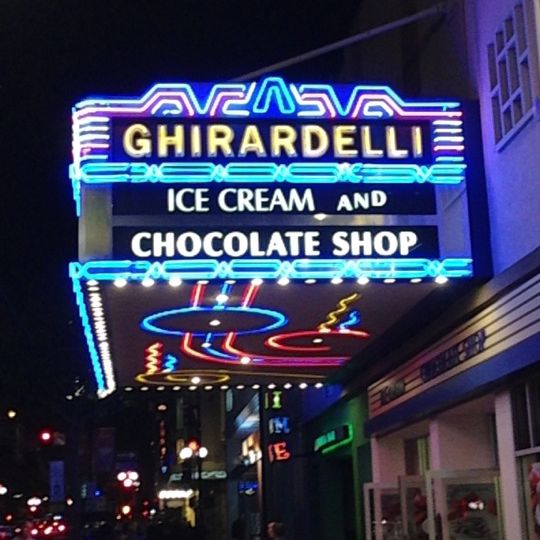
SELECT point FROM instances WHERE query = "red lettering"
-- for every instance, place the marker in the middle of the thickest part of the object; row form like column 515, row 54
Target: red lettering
column 278, row 452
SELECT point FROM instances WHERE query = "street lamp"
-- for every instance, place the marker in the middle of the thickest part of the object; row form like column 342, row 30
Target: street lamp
column 193, row 450
column 128, row 479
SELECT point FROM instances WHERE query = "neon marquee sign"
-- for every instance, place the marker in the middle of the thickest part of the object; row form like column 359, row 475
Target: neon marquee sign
column 230, row 184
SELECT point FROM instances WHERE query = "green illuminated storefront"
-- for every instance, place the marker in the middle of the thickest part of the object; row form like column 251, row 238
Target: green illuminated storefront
column 340, row 463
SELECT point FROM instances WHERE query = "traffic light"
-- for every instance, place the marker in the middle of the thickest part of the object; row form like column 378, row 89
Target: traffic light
column 194, row 445
column 46, row 436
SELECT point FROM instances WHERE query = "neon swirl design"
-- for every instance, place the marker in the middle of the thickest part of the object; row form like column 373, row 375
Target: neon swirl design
column 333, row 317
column 354, row 318
column 218, row 377
column 208, row 376
column 149, row 323
column 276, row 340
column 323, row 361
column 153, row 356
column 170, row 364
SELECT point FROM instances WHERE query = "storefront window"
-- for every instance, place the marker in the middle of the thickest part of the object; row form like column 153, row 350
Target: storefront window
column 530, row 482
column 472, row 511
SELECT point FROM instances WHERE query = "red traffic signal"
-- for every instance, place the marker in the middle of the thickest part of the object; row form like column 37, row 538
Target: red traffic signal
column 46, row 436
column 194, row 445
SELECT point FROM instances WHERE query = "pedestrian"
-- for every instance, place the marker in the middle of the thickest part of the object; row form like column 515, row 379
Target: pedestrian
column 26, row 531
column 275, row 530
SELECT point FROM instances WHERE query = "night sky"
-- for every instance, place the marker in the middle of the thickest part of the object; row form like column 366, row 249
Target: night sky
column 55, row 52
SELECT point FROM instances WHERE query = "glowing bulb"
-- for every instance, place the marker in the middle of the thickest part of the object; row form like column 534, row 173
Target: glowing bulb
column 257, row 281
column 319, row 217
column 223, row 387
column 441, row 280
column 203, row 452
column 11, row 414
column 175, row 282
column 319, row 385
column 147, row 282
column 245, row 360
column 362, row 280
column 214, row 322
column 416, row 280
column 208, row 387
column 336, row 281
column 221, row 298
column 256, row 386
column 202, row 282
column 240, row 386
column 195, row 380
column 271, row 386
column 120, row 282
column 206, row 345
column 92, row 283
column 302, row 386
column 287, row 386
column 283, row 281
column 310, row 281
column 389, row 280
column 317, row 340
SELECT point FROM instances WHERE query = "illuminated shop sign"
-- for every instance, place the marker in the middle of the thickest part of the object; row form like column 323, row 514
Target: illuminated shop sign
column 279, row 428
column 167, row 139
column 229, row 199
column 183, row 153
column 267, row 131
column 333, row 439
column 222, row 194
column 273, row 242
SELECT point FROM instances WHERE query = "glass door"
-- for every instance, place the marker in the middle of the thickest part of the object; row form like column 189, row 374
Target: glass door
column 464, row 505
column 413, row 499
column 382, row 512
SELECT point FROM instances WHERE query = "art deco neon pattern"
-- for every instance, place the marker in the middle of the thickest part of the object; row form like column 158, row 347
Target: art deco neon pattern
column 272, row 269
column 216, row 351
column 269, row 98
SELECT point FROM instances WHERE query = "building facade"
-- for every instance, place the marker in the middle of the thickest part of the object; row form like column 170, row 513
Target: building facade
column 452, row 409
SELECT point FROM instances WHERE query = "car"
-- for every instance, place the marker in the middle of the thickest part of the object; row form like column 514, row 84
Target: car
column 49, row 528
column 6, row 532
